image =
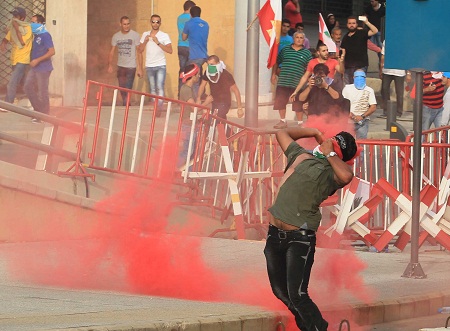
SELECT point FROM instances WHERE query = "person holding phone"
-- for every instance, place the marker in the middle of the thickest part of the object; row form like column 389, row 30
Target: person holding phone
column 355, row 45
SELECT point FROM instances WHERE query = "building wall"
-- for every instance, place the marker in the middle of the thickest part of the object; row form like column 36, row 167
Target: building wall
column 103, row 22
column 67, row 23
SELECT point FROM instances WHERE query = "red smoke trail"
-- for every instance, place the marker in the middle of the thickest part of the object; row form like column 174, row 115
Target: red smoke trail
column 134, row 253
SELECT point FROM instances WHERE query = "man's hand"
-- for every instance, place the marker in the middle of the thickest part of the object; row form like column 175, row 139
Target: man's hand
column 34, row 63
column 110, row 69
column 273, row 79
column 140, row 72
column 327, row 146
column 240, row 112
column 292, row 97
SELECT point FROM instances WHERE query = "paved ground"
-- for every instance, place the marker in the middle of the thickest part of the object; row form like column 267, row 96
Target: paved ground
column 369, row 283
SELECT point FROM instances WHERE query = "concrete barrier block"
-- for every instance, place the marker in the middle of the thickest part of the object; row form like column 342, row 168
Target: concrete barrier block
column 232, row 324
column 68, row 198
column 360, row 314
column 189, row 325
column 270, row 321
column 27, row 187
column 88, row 203
column 46, row 192
column 9, row 182
column 391, row 310
column 422, row 306
column 436, row 301
column 250, row 323
column 406, row 308
column 376, row 313
column 212, row 324
column 446, row 298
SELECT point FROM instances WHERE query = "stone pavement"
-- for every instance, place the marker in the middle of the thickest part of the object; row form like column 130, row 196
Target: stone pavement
column 27, row 306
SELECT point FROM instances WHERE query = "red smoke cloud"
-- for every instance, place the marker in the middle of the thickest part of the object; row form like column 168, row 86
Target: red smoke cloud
column 134, row 253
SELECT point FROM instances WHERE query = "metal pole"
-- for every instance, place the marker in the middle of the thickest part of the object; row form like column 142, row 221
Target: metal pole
column 414, row 270
column 391, row 113
column 252, row 67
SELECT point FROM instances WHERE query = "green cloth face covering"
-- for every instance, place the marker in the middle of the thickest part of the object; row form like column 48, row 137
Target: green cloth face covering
column 212, row 69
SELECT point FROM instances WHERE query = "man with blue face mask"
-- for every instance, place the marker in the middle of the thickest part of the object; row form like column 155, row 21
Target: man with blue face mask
column 362, row 103
column 36, row 83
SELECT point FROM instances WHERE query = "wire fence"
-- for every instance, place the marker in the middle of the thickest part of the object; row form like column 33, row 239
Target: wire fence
column 6, row 6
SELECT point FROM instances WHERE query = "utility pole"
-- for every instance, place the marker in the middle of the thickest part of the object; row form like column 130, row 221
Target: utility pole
column 252, row 67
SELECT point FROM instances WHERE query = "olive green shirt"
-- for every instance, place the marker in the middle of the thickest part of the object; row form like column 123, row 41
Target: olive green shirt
column 300, row 196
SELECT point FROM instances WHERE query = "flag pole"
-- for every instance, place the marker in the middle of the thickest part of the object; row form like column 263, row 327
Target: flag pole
column 252, row 67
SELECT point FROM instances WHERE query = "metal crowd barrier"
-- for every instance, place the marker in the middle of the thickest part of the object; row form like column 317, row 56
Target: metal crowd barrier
column 231, row 169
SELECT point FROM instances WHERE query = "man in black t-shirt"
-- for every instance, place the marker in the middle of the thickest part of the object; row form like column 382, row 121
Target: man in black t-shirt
column 355, row 45
column 221, row 84
column 375, row 12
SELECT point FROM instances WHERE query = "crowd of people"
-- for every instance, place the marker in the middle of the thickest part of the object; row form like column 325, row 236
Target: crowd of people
column 31, row 52
column 192, row 48
column 345, row 75
column 322, row 83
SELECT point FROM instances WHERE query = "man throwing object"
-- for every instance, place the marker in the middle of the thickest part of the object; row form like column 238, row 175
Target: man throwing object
column 308, row 180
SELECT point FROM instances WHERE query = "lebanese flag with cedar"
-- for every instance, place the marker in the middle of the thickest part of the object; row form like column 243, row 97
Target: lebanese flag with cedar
column 324, row 35
column 270, row 21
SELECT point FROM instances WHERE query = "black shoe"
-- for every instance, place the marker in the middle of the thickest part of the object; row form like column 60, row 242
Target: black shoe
column 382, row 116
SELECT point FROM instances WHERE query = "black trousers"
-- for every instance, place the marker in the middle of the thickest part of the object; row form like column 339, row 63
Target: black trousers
column 289, row 257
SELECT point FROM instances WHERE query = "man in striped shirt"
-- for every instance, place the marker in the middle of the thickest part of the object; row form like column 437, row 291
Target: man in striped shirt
column 294, row 60
column 433, row 99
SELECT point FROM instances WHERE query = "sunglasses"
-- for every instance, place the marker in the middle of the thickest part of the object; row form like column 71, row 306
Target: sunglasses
column 156, row 22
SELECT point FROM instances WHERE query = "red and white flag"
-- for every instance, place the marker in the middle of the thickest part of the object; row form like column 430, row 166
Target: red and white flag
column 270, row 21
column 324, row 35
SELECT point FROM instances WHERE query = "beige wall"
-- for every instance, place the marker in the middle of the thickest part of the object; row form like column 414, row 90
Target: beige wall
column 67, row 23
column 103, row 22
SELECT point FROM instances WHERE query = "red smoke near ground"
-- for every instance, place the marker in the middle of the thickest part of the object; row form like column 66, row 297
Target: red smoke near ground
column 134, row 253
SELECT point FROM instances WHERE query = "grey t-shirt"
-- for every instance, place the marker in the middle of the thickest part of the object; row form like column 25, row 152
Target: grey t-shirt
column 126, row 44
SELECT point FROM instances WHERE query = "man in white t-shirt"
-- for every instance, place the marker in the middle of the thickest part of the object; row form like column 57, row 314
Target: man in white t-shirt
column 362, row 103
column 156, row 43
column 387, row 76
column 128, row 60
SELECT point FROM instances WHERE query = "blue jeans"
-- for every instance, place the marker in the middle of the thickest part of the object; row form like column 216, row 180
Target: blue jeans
column 198, row 62
column 361, row 130
column 289, row 258
column 183, row 58
column 431, row 116
column 348, row 74
column 18, row 71
column 376, row 39
column 157, row 78
column 125, row 77
column 36, row 89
